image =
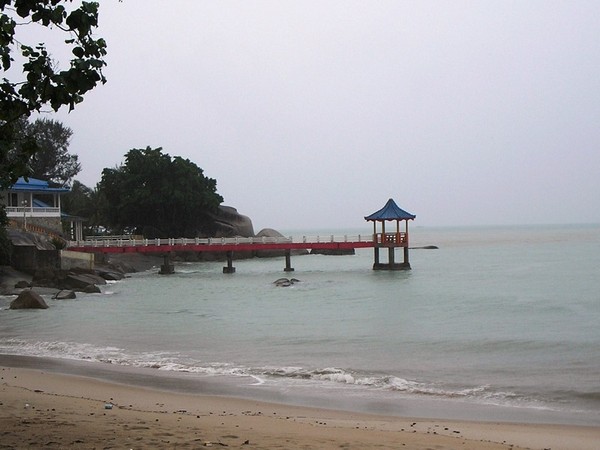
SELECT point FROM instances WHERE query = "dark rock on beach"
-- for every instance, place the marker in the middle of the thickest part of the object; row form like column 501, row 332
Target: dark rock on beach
column 22, row 284
column 91, row 289
column 70, row 280
column 83, row 280
column 28, row 299
column 110, row 275
column 9, row 277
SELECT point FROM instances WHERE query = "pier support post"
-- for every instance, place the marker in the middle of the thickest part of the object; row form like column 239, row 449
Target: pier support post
column 167, row 268
column 288, row 261
column 229, row 267
column 391, row 263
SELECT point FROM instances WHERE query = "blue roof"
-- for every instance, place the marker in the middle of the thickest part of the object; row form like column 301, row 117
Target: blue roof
column 391, row 211
column 33, row 184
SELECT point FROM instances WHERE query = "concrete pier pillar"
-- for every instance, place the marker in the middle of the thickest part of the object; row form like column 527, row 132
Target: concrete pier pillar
column 229, row 267
column 376, row 256
column 288, row 261
column 391, row 256
column 167, row 268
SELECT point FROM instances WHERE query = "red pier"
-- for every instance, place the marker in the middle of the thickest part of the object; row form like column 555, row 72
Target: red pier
column 377, row 240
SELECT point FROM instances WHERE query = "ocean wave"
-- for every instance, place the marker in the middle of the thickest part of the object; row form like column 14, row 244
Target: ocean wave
column 329, row 377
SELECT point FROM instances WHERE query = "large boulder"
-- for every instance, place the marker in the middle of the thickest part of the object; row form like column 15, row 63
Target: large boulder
column 22, row 284
column 9, row 277
column 28, row 299
column 20, row 238
column 62, row 279
column 110, row 275
column 229, row 223
column 81, row 281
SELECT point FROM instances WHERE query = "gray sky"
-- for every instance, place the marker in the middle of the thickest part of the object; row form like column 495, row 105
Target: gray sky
column 311, row 114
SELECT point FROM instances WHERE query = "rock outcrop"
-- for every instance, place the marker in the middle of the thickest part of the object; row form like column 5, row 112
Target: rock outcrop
column 271, row 233
column 20, row 238
column 79, row 280
column 229, row 223
column 28, row 299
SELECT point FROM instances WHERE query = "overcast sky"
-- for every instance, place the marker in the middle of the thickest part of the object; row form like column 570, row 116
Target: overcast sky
column 311, row 114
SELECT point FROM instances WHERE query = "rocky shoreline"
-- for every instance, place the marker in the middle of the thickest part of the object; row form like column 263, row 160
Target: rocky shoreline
column 64, row 284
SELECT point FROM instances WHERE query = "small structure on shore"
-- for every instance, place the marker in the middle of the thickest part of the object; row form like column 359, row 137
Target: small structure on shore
column 35, row 205
column 390, row 240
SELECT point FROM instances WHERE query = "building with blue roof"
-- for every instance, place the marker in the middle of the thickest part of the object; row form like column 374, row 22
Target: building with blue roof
column 34, row 204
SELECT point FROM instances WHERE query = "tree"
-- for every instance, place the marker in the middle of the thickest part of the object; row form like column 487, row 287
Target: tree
column 159, row 196
column 52, row 161
column 44, row 84
column 5, row 243
column 85, row 202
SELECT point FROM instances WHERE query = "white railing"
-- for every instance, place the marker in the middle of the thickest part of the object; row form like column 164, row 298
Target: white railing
column 28, row 211
column 118, row 241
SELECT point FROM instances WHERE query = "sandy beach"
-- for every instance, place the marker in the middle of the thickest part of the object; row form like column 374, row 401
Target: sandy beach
column 40, row 409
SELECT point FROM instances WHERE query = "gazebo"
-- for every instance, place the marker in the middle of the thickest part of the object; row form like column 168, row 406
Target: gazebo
column 390, row 240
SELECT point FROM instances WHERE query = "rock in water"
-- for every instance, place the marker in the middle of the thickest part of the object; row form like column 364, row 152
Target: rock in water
column 28, row 299
column 81, row 281
column 285, row 282
column 92, row 289
column 64, row 295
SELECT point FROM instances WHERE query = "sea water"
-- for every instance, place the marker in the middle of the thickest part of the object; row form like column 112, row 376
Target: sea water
column 505, row 316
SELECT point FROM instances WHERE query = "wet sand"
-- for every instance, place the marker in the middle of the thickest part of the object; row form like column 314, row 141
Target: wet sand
column 44, row 409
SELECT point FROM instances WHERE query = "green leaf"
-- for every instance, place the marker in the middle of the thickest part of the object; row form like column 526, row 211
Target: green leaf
column 79, row 52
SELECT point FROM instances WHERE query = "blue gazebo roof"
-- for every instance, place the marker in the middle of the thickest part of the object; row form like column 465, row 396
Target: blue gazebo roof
column 35, row 185
column 390, row 211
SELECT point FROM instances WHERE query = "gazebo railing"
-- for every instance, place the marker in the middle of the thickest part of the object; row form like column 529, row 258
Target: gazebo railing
column 397, row 238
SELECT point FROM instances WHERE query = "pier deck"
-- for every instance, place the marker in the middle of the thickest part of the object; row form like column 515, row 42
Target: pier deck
column 237, row 244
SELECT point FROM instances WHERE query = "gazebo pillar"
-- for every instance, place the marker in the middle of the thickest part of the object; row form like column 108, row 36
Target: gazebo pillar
column 406, row 262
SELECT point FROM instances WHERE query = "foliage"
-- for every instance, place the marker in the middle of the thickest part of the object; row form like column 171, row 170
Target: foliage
column 44, row 84
column 159, row 196
column 78, row 202
column 5, row 244
column 59, row 244
column 85, row 202
column 52, row 161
